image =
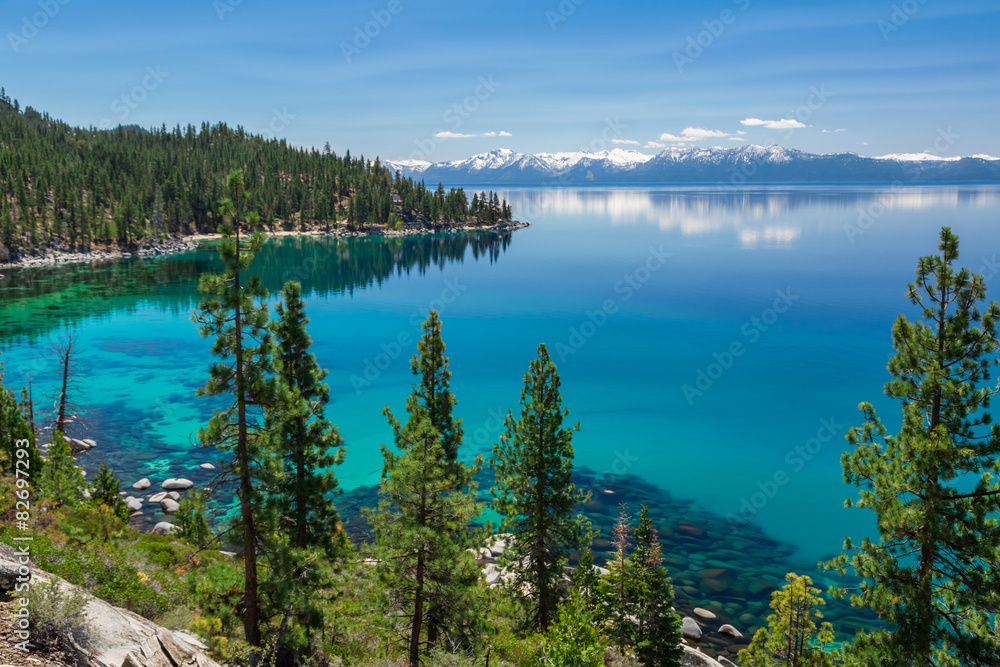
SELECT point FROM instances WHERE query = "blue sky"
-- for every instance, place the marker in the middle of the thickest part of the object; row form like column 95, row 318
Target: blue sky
column 444, row 80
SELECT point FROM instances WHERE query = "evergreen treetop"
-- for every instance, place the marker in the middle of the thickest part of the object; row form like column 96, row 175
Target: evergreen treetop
column 935, row 486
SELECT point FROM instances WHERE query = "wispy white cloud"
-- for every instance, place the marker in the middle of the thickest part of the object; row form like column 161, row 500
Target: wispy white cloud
column 831, row 131
column 691, row 134
column 452, row 135
column 655, row 144
column 737, row 139
column 781, row 124
column 626, row 142
column 458, row 135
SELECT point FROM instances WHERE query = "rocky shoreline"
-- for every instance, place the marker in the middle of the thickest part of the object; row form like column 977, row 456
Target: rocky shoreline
column 48, row 256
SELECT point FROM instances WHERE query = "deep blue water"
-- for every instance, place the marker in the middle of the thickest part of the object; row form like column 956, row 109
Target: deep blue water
column 772, row 305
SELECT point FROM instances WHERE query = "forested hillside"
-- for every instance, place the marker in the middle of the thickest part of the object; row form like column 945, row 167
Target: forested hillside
column 65, row 185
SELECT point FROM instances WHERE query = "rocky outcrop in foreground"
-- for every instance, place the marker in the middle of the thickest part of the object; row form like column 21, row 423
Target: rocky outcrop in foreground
column 120, row 637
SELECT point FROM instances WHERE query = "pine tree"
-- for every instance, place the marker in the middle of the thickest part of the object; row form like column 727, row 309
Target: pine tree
column 534, row 494
column 422, row 533
column 304, row 535
column 189, row 521
column 433, row 394
column 229, row 312
column 309, row 445
column 104, row 491
column 586, row 580
column 16, row 428
column 156, row 216
column 657, row 637
column 434, row 388
column 934, row 487
column 573, row 640
column 61, row 481
column 791, row 638
column 616, row 588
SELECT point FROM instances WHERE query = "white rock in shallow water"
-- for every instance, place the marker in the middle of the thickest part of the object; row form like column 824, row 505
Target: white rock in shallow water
column 157, row 497
column 703, row 613
column 207, row 466
column 163, row 528
column 176, row 484
column 690, row 628
column 133, row 504
column 730, row 631
column 142, row 484
column 169, row 505
column 173, row 495
column 694, row 658
column 78, row 446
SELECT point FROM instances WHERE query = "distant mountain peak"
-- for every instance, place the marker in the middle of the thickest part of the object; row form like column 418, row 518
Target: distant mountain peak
column 925, row 157
column 718, row 164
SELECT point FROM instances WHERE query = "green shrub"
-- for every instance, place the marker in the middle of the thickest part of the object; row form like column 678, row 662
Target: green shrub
column 189, row 522
column 162, row 553
column 89, row 522
column 217, row 591
column 56, row 614
column 573, row 640
column 103, row 569
column 440, row 658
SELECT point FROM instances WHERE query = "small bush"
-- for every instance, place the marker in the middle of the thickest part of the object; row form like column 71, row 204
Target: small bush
column 104, row 570
column 573, row 640
column 56, row 614
column 439, row 658
column 162, row 554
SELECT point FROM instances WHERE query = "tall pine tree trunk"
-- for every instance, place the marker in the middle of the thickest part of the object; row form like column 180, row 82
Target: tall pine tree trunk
column 251, row 612
column 928, row 553
column 418, row 596
column 300, row 495
column 543, row 577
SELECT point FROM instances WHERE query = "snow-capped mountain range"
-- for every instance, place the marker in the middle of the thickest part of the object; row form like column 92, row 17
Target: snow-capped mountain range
column 698, row 165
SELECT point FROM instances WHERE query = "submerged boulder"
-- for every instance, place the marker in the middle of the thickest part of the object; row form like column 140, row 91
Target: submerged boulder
column 169, row 505
column 690, row 628
column 694, row 658
column 730, row 631
column 163, row 528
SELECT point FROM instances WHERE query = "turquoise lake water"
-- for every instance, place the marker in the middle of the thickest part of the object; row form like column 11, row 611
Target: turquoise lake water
column 713, row 344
